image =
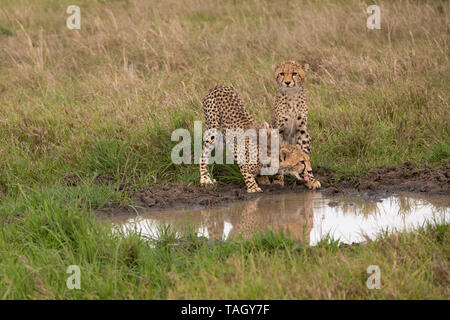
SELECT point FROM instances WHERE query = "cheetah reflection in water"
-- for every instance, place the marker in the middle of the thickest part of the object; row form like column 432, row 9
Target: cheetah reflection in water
column 247, row 218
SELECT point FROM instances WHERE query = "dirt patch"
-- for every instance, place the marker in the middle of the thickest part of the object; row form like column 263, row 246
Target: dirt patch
column 104, row 178
column 187, row 195
column 71, row 179
column 377, row 183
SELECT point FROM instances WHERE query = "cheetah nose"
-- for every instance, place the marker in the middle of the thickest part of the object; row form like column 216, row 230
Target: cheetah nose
column 287, row 83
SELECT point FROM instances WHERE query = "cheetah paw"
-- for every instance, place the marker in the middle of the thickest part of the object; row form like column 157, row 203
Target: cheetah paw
column 205, row 180
column 313, row 184
column 254, row 190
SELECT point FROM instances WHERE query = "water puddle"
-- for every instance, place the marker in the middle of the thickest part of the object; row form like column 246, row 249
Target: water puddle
column 308, row 217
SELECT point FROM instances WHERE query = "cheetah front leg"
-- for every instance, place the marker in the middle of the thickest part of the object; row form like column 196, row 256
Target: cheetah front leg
column 208, row 146
column 249, row 178
column 304, row 141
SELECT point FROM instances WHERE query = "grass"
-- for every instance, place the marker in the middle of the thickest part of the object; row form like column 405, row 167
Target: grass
column 47, row 234
column 105, row 99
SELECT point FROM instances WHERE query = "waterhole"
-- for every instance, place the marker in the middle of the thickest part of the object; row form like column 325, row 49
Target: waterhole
column 308, row 217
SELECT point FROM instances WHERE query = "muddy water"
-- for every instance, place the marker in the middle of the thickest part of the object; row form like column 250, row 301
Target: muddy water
column 308, row 216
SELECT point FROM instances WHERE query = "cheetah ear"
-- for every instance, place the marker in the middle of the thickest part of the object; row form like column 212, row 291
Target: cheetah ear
column 276, row 70
column 283, row 154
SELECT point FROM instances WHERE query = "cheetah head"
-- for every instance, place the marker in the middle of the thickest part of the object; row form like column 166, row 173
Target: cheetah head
column 294, row 161
column 290, row 74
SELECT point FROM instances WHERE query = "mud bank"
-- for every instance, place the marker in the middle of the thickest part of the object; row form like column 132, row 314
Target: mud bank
column 433, row 180
column 376, row 184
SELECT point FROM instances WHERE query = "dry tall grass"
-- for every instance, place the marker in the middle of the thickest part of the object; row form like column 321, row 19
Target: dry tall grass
column 376, row 97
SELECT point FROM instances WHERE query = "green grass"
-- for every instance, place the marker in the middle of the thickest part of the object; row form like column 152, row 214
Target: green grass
column 106, row 99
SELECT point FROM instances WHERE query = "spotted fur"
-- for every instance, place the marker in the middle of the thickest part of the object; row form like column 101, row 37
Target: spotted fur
column 223, row 110
column 290, row 111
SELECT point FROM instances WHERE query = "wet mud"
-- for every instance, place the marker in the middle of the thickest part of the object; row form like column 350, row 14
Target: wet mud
column 433, row 180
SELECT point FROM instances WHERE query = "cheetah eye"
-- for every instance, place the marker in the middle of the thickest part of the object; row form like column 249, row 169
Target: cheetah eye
column 282, row 74
column 294, row 74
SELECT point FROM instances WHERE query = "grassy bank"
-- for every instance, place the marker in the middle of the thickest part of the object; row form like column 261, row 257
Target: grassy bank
column 105, row 99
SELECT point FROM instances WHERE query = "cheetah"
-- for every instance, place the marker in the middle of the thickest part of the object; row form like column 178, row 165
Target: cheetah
column 224, row 110
column 290, row 111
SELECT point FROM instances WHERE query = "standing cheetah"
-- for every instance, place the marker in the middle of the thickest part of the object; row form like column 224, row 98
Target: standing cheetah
column 224, row 110
column 290, row 111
